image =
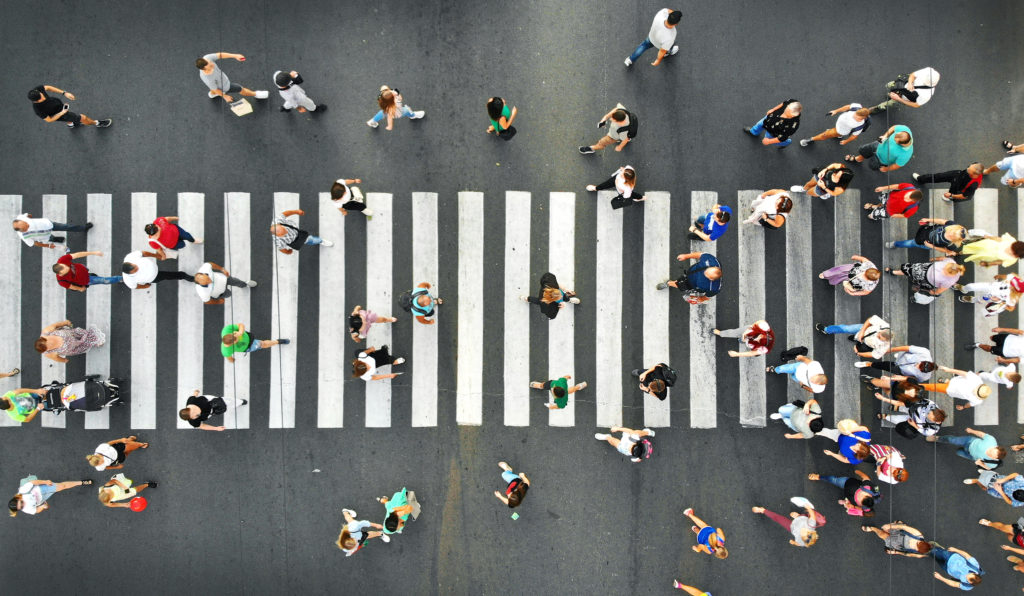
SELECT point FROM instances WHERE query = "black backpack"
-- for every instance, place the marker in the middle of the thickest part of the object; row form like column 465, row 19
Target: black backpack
column 405, row 300
column 669, row 373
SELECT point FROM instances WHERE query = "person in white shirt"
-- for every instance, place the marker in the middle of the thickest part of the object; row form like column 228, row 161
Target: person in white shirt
column 768, row 205
column 37, row 231
column 1007, row 345
column 623, row 180
column 212, row 281
column 111, row 455
column 1014, row 167
column 662, row 36
column 805, row 372
column 912, row 90
column 965, row 385
column 1002, row 374
column 33, row 494
column 853, row 119
column 872, row 339
column 293, row 95
column 140, row 270
column 348, row 197
column 356, row 532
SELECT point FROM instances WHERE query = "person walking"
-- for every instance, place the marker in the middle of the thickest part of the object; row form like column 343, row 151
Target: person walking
column 758, row 337
column 701, row 281
column 166, row 237
column 922, row 417
column 889, row 464
column 1014, row 532
column 287, row 235
column 623, row 180
column 34, row 493
column 1014, row 168
column 896, row 201
column 960, row 565
column 349, row 198
column 662, row 36
column 965, row 385
column 981, row 448
column 859, row 495
column 111, row 455
column 942, row 235
column 1007, row 345
column 501, row 117
column 560, row 391
column 552, row 296
column 692, row 591
column 398, row 509
column 367, row 362
column 1002, row 374
column 294, row 96
column 802, row 527
column 997, row 296
column 622, row 129
column 858, row 278
column 930, row 278
column 360, row 320
column 199, row 408
column 962, row 183
column 853, row 119
column 828, row 182
column 914, row 362
column 804, row 372
column 1009, row 488
column 710, row 540
column 516, row 486
column 212, row 283
column 778, row 124
column 890, row 152
column 712, row 226
column 634, row 444
column 656, row 380
column 22, row 404
column 355, row 533
column 76, row 276
column 119, row 491
column 140, row 270
column 853, row 440
column 38, row 231
column 60, row 340
column 912, row 90
column 871, row 339
column 803, row 418
column 901, row 539
column 51, row 109
column 219, row 84
column 769, row 208
column 420, row 303
column 392, row 107
column 234, row 339
column 993, row 251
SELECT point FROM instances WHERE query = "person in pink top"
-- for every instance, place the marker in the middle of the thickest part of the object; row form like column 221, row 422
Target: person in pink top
column 166, row 237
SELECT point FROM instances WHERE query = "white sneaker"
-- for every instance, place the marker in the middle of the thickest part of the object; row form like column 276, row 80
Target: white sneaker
column 650, row 432
column 601, row 437
column 372, row 124
column 524, row 298
column 349, row 511
column 357, row 193
column 197, row 241
column 801, row 502
column 776, row 416
column 417, row 115
column 862, row 364
column 398, row 361
column 673, row 51
column 796, row 188
column 262, row 94
column 591, row 188
column 210, row 94
column 368, row 213
column 327, row 243
column 890, row 245
column 251, row 283
column 629, row 62
column 385, row 538
column 805, row 142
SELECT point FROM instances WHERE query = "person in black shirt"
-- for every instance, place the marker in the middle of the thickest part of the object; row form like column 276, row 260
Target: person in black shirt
column 654, row 380
column 962, row 183
column 778, row 124
column 52, row 109
column 199, row 408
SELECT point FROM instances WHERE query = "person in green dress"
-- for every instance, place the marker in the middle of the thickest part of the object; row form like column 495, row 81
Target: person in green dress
column 560, row 391
column 501, row 118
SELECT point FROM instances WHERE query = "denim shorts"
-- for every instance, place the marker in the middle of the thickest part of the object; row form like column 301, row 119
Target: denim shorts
column 509, row 476
column 254, row 345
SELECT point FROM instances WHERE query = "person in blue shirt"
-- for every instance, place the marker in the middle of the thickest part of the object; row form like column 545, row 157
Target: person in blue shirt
column 710, row 227
column 958, row 564
column 890, row 152
column 703, row 280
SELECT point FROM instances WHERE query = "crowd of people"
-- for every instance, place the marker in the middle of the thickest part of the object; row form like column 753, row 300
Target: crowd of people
column 903, row 377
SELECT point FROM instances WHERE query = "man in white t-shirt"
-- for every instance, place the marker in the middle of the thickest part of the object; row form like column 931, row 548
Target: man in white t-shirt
column 661, row 36
column 805, row 372
column 140, row 270
column 1014, row 168
column 212, row 281
column 965, row 385
column 853, row 120
column 36, row 231
column 1002, row 374
column 912, row 90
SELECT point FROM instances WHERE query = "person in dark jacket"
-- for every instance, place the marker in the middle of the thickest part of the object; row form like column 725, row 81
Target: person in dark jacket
column 551, row 296
column 778, row 124
column 962, row 183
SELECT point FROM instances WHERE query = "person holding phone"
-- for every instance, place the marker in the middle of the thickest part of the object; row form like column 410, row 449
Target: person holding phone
column 52, row 109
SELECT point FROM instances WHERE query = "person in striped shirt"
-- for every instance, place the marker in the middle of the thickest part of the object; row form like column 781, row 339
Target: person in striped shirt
column 287, row 235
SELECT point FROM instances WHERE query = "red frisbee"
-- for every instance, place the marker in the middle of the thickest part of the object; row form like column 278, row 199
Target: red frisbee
column 138, row 504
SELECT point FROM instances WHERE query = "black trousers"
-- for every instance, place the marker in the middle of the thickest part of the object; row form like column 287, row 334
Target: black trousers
column 179, row 275
column 886, row 366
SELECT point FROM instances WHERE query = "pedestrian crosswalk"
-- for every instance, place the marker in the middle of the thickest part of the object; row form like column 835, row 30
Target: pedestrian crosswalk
column 239, row 233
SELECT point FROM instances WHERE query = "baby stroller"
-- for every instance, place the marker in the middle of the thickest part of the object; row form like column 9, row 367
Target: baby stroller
column 88, row 395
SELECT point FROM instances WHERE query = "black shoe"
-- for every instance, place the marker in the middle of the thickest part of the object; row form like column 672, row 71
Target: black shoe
column 586, row 150
column 284, row 109
column 245, row 402
column 820, row 328
column 814, row 171
column 284, row 342
column 636, row 372
column 693, row 236
column 746, row 129
column 88, row 225
column 91, row 377
column 151, row 484
column 104, row 123
column 56, row 239
column 321, row 107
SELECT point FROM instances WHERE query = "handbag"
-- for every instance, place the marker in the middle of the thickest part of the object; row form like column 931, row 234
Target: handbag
column 507, row 134
column 241, row 107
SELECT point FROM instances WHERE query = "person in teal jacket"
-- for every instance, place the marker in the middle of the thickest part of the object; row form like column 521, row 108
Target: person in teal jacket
column 890, row 152
column 398, row 508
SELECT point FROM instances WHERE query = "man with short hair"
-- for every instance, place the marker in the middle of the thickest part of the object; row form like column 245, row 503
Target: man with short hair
column 422, row 304
column 913, row 361
column 958, row 564
column 890, row 152
column 166, row 237
column 802, row 417
column 200, row 408
column 898, row 201
column 218, row 82
column 140, row 270
column 52, row 109
column 662, row 36
column 710, row 227
column 288, row 237
column 962, row 183
column 912, row 90
column 1014, row 167
column 702, row 281
column 805, row 372
column 853, row 120
column 981, row 448
column 76, row 276
column 778, row 124
column 234, row 339
column 38, row 231
column 1007, row 345
column 621, row 130
column 293, row 95
column 212, row 281
column 871, row 339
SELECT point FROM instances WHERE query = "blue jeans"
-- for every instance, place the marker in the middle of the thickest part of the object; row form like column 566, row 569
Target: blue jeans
column 941, row 555
column 910, row 243
column 97, row 279
column 640, row 49
column 405, row 111
column 63, row 227
column 312, row 240
column 960, row 441
column 788, row 369
column 758, row 128
column 509, row 476
column 182, row 237
column 840, row 329
column 837, row 481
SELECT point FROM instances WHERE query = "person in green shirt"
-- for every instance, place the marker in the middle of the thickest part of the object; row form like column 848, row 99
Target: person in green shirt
column 890, row 152
column 501, row 118
column 22, row 405
column 397, row 510
column 560, row 391
column 235, row 339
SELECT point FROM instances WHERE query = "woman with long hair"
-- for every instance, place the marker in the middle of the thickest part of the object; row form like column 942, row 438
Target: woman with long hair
column 770, row 208
column 60, row 340
column 392, row 107
column 516, row 486
column 369, row 360
column 501, row 117
column 802, row 527
column 355, row 533
column 633, row 444
column 623, row 180
column 551, row 296
column 360, row 320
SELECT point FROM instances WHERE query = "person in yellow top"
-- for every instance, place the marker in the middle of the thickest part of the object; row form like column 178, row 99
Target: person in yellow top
column 992, row 251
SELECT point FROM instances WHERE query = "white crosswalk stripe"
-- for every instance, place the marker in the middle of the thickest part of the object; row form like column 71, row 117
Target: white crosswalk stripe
column 986, row 217
column 697, row 399
column 941, row 332
column 1020, row 308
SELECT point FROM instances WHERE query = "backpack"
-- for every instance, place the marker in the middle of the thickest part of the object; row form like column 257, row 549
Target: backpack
column 669, row 374
column 405, row 300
